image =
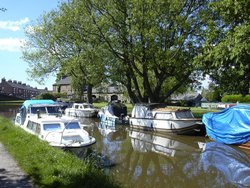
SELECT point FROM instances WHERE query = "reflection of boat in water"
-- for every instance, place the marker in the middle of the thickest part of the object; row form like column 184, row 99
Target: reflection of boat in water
column 112, row 132
column 229, row 126
column 168, row 145
column 159, row 118
column 43, row 119
column 231, row 162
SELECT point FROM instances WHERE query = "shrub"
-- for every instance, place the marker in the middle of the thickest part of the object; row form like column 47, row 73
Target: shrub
column 236, row 98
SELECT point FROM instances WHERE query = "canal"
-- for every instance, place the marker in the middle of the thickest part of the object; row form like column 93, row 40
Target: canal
column 144, row 160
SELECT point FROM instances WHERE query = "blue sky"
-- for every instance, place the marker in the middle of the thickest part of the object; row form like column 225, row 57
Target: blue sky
column 18, row 16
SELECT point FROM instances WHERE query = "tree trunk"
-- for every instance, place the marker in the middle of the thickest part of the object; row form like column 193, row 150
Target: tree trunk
column 89, row 94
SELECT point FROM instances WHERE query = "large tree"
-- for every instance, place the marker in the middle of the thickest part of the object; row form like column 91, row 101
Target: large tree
column 227, row 48
column 60, row 43
column 152, row 43
column 147, row 45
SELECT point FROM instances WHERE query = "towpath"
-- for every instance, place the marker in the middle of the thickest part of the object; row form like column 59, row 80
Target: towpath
column 11, row 176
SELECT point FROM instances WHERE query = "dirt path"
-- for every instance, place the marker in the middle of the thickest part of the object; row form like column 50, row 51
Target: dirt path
column 10, row 174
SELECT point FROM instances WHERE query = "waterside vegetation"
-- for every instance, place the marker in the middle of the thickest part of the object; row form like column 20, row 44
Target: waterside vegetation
column 47, row 166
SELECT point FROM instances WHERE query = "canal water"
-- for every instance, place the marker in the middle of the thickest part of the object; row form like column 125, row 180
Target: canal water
column 145, row 160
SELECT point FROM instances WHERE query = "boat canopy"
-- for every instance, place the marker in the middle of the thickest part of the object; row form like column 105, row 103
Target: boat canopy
column 117, row 108
column 229, row 126
column 28, row 103
column 140, row 110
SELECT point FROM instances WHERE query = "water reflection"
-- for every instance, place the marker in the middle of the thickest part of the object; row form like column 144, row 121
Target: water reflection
column 8, row 111
column 165, row 144
column 226, row 161
column 144, row 159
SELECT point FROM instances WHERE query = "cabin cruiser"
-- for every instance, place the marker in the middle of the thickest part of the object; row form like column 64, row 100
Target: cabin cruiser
column 81, row 110
column 114, row 113
column 43, row 119
column 159, row 118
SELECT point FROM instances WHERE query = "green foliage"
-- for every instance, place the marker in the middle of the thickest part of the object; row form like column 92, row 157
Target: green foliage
column 213, row 93
column 48, row 166
column 52, row 96
column 236, row 98
column 148, row 46
column 227, row 47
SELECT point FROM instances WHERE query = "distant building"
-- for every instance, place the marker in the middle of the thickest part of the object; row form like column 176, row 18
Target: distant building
column 18, row 89
column 64, row 86
column 103, row 93
column 188, row 99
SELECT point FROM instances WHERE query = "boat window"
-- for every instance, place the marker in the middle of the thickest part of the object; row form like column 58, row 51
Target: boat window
column 52, row 127
column 32, row 126
column 72, row 125
column 184, row 114
column 53, row 109
column 34, row 110
column 76, row 106
column 163, row 116
column 85, row 106
column 38, row 129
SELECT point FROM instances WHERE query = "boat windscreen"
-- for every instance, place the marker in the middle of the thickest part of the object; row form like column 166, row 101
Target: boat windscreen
column 40, row 109
column 184, row 114
column 72, row 125
column 53, row 109
column 52, row 127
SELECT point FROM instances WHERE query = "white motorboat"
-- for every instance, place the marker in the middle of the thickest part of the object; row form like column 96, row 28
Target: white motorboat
column 57, row 130
column 114, row 113
column 157, row 117
column 81, row 110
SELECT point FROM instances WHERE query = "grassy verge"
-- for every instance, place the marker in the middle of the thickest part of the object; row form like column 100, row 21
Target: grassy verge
column 198, row 111
column 47, row 166
column 9, row 103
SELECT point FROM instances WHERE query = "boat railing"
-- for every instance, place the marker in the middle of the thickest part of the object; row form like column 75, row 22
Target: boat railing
column 65, row 127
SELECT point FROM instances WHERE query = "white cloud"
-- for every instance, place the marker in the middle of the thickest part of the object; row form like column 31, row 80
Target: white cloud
column 13, row 25
column 11, row 44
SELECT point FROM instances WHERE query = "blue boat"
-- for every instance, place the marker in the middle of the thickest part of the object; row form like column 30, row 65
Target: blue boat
column 229, row 126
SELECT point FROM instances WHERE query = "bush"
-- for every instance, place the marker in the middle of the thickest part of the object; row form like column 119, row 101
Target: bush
column 52, row 96
column 236, row 98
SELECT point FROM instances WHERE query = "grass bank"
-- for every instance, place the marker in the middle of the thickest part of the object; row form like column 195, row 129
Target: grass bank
column 9, row 103
column 47, row 166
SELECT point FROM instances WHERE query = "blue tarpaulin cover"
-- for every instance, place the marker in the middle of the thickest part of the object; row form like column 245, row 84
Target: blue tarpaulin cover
column 229, row 126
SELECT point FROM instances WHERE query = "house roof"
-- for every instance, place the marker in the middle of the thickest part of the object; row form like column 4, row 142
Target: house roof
column 63, row 81
column 20, row 85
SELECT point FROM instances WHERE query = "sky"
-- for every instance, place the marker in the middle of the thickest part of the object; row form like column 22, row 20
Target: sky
column 18, row 16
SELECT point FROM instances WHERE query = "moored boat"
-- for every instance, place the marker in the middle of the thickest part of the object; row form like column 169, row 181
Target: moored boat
column 229, row 126
column 42, row 118
column 159, row 118
column 114, row 113
column 81, row 110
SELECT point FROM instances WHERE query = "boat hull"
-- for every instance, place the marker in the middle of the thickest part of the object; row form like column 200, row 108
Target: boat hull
column 168, row 126
column 81, row 113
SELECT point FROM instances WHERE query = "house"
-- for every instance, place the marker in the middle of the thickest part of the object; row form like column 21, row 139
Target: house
column 19, row 90
column 188, row 99
column 64, row 86
column 105, row 92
